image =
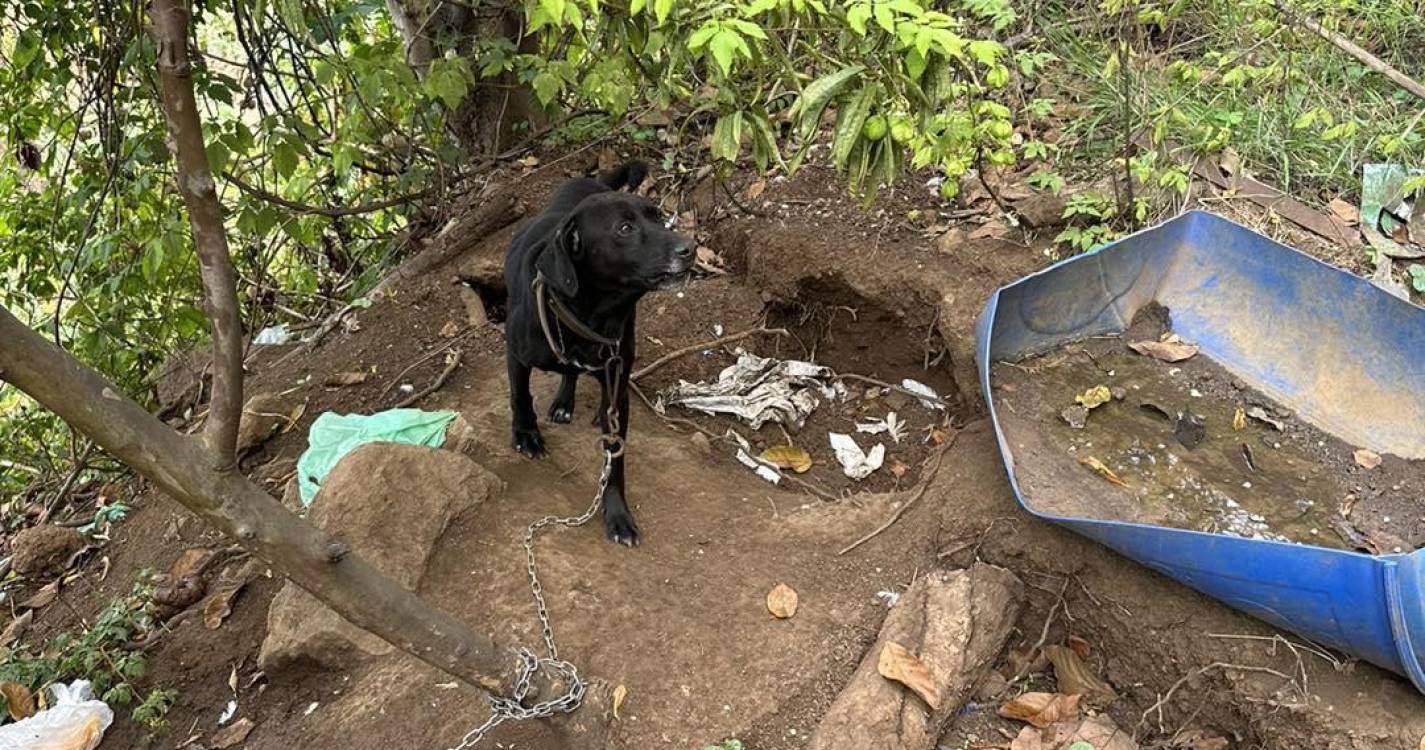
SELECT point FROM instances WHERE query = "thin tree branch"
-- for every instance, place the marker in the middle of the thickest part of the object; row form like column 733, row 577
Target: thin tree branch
column 1350, row 48
column 169, row 28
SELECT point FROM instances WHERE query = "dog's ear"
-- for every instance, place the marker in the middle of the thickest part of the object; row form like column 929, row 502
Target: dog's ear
column 556, row 263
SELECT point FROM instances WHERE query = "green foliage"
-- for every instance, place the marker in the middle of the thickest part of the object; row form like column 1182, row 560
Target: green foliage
column 928, row 75
column 1417, row 277
column 104, row 654
column 732, row 744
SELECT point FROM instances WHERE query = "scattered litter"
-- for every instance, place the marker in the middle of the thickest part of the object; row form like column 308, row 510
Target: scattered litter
column 892, row 425
column 782, row 601
column 1239, row 419
column 228, row 713
column 718, row 330
column 273, row 336
column 1103, row 471
column 74, row 720
column 1260, row 414
column 889, row 597
column 1190, row 429
column 921, row 389
column 1165, row 351
column 787, row 457
column 1077, row 416
column 1386, row 212
column 758, row 390
column 744, row 456
column 1041, row 709
column 899, row 664
column 311, row 708
column 1367, row 459
column 856, row 463
column 333, row 436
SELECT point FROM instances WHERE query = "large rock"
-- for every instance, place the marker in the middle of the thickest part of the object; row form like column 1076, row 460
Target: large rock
column 390, row 503
column 956, row 623
column 42, row 551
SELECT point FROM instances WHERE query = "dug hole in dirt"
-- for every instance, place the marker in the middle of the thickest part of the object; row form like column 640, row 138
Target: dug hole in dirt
column 682, row 620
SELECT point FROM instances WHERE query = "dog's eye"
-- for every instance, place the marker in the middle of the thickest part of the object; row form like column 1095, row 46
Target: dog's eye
column 625, row 228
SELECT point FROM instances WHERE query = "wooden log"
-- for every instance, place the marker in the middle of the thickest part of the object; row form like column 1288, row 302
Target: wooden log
column 957, row 623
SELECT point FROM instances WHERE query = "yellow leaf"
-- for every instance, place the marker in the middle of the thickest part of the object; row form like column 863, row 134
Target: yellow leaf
column 18, row 700
column 897, row 663
column 787, row 457
column 782, row 601
column 1103, row 471
column 620, row 693
column 1095, row 396
column 1239, row 419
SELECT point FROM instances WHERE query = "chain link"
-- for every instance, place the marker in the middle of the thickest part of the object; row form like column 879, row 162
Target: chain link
column 513, row 708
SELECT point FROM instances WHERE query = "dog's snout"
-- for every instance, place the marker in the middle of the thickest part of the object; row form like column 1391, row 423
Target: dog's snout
column 684, row 250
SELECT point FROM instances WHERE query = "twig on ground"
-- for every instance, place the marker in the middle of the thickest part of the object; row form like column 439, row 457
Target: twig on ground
column 644, row 371
column 1059, row 602
column 1163, row 701
column 920, row 491
column 424, row 358
column 433, row 387
column 893, row 387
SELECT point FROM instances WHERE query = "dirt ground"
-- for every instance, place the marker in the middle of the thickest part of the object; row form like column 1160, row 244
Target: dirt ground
column 681, row 619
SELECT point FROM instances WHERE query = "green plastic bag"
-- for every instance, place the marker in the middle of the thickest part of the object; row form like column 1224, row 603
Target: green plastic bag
column 334, row 435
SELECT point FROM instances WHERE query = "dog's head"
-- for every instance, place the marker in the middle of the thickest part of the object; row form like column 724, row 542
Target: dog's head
column 615, row 242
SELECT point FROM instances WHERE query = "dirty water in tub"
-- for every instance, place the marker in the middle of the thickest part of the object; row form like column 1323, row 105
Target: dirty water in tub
column 1100, row 430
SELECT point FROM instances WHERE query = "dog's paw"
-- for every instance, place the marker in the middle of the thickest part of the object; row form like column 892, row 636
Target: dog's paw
column 621, row 527
column 561, row 414
column 529, row 443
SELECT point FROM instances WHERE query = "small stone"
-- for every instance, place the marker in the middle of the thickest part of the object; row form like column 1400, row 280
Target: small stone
column 1118, row 392
column 700, row 443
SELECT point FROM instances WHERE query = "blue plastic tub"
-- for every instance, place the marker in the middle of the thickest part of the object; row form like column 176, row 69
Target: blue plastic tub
column 1346, row 356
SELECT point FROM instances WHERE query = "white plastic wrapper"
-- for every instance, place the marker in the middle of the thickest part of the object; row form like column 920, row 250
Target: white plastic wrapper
column 856, row 463
column 758, row 390
column 74, row 721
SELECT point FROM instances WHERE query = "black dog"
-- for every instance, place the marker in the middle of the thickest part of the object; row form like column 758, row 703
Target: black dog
column 574, row 277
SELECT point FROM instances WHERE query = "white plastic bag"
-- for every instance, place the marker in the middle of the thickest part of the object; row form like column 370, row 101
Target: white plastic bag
column 73, row 721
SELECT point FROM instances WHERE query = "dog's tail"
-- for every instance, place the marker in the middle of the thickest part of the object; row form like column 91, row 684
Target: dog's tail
column 630, row 175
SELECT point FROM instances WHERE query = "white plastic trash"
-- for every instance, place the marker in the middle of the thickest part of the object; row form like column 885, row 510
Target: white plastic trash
column 273, row 335
column 75, row 720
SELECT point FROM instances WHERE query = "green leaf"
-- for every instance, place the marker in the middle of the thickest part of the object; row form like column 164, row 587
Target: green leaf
column 217, row 156
column 748, row 28
column 284, row 158
column 727, row 137
column 700, row 38
column 636, row 6
column 724, row 46
column 290, row 11
column 27, row 48
column 546, row 87
column 884, row 18
column 849, row 122
column 856, row 17
column 818, row 94
column 152, row 262
column 555, row 9
column 985, row 51
column 343, row 156
column 762, row 134
column 662, row 9
column 1417, row 276
column 446, row 83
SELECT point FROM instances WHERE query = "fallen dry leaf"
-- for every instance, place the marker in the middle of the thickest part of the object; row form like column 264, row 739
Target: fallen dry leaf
column 233, row 680
column 898, row 468
column 232, row 735
column 1260, row 414
column 192, row 562
column 755, row 190
column 1367, row 459
column 1345, row 211
column 1165, row 351
column 343, row 379
column 620, row 695
column 1103, row 471
column 992, row 229
column 1075, row 678
column 1079, row 645
column 19, row 701
column 897, row 663
column 219, row 603
column 42, row 598
column 709, row 261
column 1239, row 419
column 1094, row 397
column 782, row 601
column 449, row 330
column 788, row 457
column 1041, row 709
column 16, row 628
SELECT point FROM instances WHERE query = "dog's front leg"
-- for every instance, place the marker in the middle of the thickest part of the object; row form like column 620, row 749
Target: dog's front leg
column 618, row 519
column 524, row 429
column 561, row 410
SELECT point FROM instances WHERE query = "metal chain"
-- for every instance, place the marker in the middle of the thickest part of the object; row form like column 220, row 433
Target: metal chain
column 513, row 708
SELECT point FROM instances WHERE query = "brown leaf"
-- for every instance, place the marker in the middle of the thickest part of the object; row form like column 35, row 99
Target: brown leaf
column 42, row 598
column 16, row 628
column 1041, row 709
column 1075, row 678
column 343, row 379
column 755, row 190
column 1367, row 459
column 232, row 735
column 897, row 663
column 1166, row 351
column 1080, row 646
column 18, row 700
column 991, row 229
column 1345, row 211
column 709, row 261
column 219, row 604
column 898, row 468
column 787, row 457
column 782, row 601
column 1102, row 734
column 192, row 562
column 449, row 330
column 1103, row 471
